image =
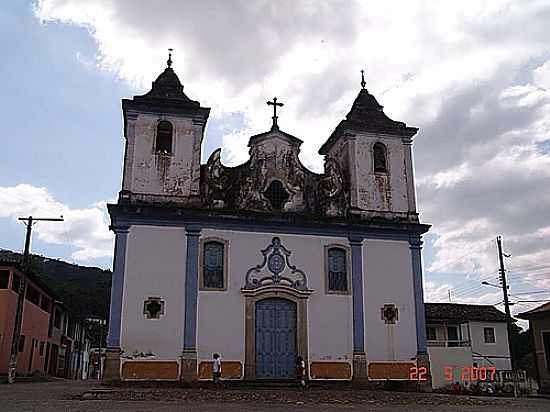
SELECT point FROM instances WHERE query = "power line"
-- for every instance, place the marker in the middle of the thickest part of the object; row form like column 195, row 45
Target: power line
column 531, row 293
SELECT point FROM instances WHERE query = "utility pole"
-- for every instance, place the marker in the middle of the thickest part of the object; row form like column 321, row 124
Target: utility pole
column 506, row 301
column 29, row 222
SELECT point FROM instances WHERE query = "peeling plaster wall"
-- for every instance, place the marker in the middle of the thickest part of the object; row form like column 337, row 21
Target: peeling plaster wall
column 155, row 267
column 175, row 174
column 388, row 279
column 380, row 191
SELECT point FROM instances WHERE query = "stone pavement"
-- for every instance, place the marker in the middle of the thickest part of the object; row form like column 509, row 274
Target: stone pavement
column 64, row 395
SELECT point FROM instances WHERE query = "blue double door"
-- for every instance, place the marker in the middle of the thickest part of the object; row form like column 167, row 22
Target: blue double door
column 275, row 339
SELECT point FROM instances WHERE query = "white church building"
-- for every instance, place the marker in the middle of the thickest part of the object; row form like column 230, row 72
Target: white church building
column 265, row 261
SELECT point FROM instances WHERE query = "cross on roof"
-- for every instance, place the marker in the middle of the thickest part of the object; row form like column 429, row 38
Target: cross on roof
column 169, row 61
column 363, row 82
column 274, row 104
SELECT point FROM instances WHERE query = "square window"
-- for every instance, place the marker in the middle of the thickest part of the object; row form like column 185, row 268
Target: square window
column 489, row 335
column 431, row 333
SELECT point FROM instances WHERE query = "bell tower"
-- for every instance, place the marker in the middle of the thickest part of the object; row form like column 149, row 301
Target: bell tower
column 375, row 153
column 163, row 130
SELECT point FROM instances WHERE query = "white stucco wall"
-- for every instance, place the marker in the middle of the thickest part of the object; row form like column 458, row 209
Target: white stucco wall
column 221, row 320
column 498, row 352
column 454, row 359
column 388, row 279
column 155, row 267
column 146, row 172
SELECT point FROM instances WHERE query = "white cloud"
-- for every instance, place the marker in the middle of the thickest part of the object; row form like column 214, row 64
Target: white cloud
column 84, row 230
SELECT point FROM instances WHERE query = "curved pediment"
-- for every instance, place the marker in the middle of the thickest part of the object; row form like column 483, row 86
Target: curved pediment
column 274, row 180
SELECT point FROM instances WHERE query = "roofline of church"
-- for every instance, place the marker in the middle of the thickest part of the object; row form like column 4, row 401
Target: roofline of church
column 159, row 106
column 295, row 223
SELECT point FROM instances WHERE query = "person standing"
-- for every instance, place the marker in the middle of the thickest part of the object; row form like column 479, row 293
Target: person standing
column 301, row 371
column 216, row 368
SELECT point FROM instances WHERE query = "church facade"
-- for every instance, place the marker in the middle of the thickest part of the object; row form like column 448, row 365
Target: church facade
column 266, row 261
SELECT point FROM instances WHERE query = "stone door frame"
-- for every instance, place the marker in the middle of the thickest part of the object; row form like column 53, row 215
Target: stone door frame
column 254, row 295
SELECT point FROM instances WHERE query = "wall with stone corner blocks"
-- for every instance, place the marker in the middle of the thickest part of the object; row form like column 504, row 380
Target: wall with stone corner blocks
column 155, row 266
column 149, row 370
column 330, row 370
column 221, row 324
column 230, row 370
column 148, row 173
column 499, row 349
column 380, row 191
column 388, row 279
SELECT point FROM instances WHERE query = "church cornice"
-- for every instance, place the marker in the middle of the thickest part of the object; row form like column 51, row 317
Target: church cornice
column 173, row 215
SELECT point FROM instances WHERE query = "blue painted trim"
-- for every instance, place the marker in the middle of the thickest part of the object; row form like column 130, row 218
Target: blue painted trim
column 415, row 243
column 282, row 228
column 117, row 286
column 356, row 244
column 191, row 288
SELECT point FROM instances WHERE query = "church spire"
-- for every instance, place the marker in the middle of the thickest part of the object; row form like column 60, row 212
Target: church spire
column 363, row 82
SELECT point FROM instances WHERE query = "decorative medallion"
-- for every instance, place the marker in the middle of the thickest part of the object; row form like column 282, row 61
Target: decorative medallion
column 281, row 271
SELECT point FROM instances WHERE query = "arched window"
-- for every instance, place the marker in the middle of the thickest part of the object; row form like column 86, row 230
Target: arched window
column 379, row 155
column 213, row 261
column 164, row 137
column 337, row 276
column 276, row 194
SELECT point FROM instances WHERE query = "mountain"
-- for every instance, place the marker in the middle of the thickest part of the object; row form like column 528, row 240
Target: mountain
column 84, row 290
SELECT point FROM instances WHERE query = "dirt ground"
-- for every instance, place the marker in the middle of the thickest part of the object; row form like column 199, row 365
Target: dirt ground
column 65, row 395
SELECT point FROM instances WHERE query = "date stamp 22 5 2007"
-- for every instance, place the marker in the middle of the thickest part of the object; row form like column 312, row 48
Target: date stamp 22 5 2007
column 453, row 373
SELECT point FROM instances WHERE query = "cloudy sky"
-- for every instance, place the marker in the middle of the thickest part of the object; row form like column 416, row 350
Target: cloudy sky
column 474, row 76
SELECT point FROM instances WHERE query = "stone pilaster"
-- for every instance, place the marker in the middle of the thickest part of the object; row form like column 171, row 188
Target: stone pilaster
column 422, row 357
column 189, row 352
column 111, row 370
column 111, row 366
column 359, row 357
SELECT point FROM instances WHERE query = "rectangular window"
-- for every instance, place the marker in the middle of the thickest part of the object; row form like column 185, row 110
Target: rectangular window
column 21, row 346
column 4, row 278
column 213, row 261
column 546, row 344
column 41, row 351
column 431, row 333
column 33, row 295
column 452, row 336
column 15, row 282
column 489, row 335
column 337, row 270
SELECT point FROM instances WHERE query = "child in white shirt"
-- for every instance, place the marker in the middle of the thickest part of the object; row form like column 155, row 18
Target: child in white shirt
column 216, row 368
